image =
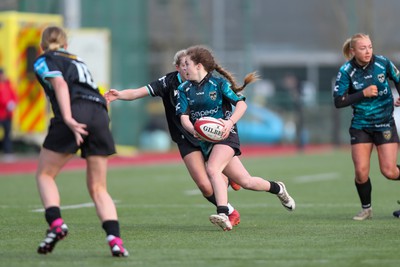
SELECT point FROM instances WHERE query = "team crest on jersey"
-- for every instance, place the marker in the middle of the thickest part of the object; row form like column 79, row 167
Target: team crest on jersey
column 213, row 95
column 381, row 77
column 387, row 135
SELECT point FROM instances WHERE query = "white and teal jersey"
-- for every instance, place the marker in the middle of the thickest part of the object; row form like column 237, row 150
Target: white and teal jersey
column 374, row 113
column 212, row 97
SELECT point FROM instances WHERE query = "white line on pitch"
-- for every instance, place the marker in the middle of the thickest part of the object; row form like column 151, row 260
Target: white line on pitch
column 72, row 207
column 316, row 177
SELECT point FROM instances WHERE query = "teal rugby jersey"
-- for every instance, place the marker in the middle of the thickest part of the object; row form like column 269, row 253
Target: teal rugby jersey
column 212, row 97
column 375, row 113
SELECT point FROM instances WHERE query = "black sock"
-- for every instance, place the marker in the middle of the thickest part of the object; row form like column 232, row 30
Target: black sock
column 223, row 209
column 364, row 192
column 275, row 188
column 111, row 228
column 212, row 199
column 51, row 214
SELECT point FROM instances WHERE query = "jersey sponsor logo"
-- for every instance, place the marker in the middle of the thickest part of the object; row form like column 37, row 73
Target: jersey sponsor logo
column 41, row 66
column 368, row 77
column 383, row 92
column 228, row 114
column 199, row 93
column 382, row 125
column 203, row 113
column 213, row 95
column 381, row 77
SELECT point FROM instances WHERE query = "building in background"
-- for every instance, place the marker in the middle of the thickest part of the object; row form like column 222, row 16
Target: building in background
column 278, row 38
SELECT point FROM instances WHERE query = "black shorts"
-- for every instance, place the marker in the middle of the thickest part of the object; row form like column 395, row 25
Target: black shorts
column 376, row 137
column 186, row 147
column 99, row 142
column 232, row 141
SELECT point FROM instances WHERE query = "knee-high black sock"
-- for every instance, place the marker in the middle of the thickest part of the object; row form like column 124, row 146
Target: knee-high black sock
column 364, row 192
column 111, row 228
column 212, row 199
column 51, row 214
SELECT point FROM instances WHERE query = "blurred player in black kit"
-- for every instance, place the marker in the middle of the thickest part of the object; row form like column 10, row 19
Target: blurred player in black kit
column 80, row 121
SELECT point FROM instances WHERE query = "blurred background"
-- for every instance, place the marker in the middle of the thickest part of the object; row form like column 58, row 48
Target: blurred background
column 294, row 45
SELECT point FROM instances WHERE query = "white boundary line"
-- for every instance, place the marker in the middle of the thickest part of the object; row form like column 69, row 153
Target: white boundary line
column 72, row 207
column 317, row 177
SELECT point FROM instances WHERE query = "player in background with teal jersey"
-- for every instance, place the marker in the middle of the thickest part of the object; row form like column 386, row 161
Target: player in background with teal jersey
column 363, row 83
column 204, row 94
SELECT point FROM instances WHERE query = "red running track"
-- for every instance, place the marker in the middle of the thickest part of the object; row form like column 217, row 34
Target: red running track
column 28, row 165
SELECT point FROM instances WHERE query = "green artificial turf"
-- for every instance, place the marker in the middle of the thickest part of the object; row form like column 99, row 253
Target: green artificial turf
column 164, row 218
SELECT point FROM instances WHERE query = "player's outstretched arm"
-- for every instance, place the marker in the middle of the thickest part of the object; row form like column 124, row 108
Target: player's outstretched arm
column 127, row 94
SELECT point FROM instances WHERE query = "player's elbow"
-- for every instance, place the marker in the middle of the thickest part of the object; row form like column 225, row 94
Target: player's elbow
column 340, row 102
column 242, row 105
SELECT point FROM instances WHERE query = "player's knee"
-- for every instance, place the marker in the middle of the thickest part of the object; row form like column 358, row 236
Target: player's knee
column 361, row 174
column 391, row 173
column 212, row 172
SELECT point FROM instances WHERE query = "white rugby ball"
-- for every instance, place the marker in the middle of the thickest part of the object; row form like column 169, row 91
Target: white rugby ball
column 209, row 129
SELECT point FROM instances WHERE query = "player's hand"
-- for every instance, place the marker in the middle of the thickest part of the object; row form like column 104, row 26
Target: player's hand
column 78, row 129
column 195, row 135
column 228, row 125
column 111, row 95
column 371, row 91
column 397, row 102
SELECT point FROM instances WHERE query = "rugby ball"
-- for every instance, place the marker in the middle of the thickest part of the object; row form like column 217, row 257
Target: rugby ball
column 209, row 129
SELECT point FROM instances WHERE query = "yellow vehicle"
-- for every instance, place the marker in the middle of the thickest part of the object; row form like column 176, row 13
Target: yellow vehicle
column 20, row 35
